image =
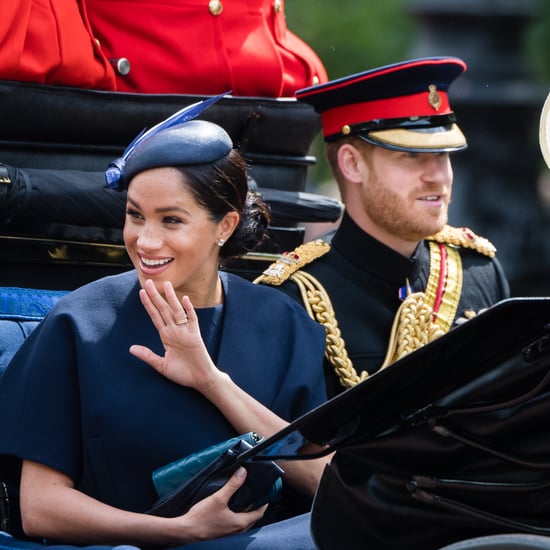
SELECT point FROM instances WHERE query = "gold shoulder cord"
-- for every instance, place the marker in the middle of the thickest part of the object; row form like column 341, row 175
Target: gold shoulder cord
column 317, row 303
column 422, row 316
column 320, row 308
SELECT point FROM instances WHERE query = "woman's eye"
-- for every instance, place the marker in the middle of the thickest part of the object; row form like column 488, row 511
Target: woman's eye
column 172, row 220
column 133, row 213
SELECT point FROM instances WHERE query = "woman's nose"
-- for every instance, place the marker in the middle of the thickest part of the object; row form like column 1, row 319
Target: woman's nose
column 149, row 238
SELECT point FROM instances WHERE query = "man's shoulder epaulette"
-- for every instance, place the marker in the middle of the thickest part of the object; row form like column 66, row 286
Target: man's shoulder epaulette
column 290, row 262
column 466, row 238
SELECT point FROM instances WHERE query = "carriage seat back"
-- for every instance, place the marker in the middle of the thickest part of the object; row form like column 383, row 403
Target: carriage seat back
column 21, row 309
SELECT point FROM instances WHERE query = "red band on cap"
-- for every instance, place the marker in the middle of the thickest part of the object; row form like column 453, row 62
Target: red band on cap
column 396, row 107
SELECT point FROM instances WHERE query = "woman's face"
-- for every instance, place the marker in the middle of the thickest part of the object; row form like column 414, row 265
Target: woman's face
column 169, row 236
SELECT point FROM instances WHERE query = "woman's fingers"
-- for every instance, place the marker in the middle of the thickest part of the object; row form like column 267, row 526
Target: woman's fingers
column 164, row 310
column 151, row 309
column 178, row 311
column 189, row 309
column 168, row 309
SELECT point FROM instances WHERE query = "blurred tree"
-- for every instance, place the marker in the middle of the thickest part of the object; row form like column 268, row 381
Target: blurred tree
column 350, row 36
column 537, row 44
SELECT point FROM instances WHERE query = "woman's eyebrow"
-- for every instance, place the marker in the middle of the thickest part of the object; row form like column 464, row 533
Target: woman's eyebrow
column 161, row 209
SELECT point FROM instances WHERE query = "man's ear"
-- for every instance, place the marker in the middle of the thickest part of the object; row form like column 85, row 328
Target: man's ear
column 349, row 162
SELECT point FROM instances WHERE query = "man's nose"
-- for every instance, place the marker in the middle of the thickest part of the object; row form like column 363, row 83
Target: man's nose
column 437, row 168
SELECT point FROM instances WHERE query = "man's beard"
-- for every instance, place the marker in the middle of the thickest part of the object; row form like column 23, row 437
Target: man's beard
column 398, row 216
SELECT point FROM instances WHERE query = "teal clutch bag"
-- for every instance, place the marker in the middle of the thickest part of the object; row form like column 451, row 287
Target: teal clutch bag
column 169, row 478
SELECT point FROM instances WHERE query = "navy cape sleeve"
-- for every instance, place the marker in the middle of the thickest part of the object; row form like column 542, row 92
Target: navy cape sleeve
column 279, row 358
column 39, row 399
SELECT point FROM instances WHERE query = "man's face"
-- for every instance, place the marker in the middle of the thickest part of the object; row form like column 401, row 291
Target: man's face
column 406, row 195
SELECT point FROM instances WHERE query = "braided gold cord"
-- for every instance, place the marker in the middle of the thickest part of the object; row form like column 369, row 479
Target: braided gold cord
column 412, row 328
column 466, row 238
column 290, row 262
column 319, row 307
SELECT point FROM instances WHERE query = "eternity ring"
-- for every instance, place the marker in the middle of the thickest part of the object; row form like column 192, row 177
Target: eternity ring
column 182, row 321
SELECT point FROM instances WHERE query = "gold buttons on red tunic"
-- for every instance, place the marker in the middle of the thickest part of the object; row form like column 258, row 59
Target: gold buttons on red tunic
column 277, row 6
column 215, row 7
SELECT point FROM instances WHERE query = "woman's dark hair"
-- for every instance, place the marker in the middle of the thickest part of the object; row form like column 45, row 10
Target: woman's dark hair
column 221, row 187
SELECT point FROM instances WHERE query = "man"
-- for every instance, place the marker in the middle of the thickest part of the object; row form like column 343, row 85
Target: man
column 395, row 275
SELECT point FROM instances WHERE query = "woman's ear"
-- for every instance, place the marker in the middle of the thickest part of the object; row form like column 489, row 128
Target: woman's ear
column 350, row 162
column 227, row 225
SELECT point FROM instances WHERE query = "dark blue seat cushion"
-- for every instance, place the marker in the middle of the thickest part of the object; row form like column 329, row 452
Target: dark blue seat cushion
column 7, row 542
column 12, row 335
column 21, row 309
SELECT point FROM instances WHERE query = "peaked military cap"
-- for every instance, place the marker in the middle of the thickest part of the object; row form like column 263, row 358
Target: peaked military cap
column 404, row 106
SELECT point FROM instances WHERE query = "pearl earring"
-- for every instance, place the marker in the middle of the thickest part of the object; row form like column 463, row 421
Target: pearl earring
column 221, row 242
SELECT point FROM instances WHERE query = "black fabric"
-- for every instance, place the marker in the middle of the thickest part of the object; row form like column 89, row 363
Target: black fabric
column 448, row 443
column 474, row 462
column 515, row 541
column 65, row 204
column 10, row 516
column 70, row 128
column 76, row 205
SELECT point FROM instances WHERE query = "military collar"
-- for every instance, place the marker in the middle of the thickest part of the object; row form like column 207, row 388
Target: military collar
column 369, row 254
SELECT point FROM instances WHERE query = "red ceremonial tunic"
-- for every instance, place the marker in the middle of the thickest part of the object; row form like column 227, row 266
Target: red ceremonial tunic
column 204, row 47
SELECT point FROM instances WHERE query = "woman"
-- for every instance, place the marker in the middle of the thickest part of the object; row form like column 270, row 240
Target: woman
column 91, row 420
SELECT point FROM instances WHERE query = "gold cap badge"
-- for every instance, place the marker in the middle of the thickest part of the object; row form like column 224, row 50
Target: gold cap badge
column 434, row 99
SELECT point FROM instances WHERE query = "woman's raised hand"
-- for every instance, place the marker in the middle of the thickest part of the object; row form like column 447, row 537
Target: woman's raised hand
column 186, row 360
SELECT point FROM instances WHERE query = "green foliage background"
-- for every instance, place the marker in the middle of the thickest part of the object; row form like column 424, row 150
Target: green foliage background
column 537, row 42
column 352, row 35
column 349, row 36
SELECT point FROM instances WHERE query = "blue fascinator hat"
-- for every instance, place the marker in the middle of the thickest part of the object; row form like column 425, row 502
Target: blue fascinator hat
column 177, row 141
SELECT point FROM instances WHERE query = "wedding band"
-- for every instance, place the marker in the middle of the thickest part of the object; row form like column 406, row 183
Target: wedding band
column 182, row 321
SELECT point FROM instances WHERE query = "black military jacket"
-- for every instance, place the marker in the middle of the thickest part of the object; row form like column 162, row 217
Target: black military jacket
column 363, row 278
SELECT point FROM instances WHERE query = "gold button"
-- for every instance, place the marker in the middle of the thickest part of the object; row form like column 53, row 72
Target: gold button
column 346, row 130
column 277, row 6
column 315, row 80
column 215, row 7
